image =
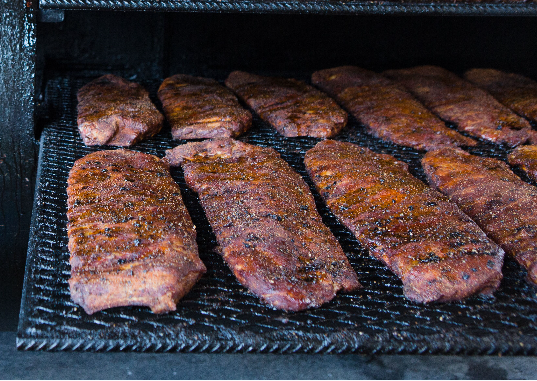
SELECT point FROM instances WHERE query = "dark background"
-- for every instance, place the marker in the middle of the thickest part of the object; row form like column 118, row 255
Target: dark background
column 143, row 45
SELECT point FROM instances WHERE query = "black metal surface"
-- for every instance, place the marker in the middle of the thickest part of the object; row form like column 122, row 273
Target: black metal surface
column 219, row 315
column 302, row 7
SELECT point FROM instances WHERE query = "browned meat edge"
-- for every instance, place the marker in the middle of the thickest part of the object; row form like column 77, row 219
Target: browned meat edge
column 292, row 107
column 526, row 158
column 499, row 201
column 199, row 108
column 471, row 109
column 266, row 223
column 388, row 111
column 437, row 251
column 114, row 111
column 130, row 236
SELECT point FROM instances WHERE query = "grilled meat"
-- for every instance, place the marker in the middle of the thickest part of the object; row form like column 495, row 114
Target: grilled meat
column 114, row 111
column 457, row 101
column 201, row 108
column 499, row 201
column 526, row 158
column 266, row 223
column 437, row 251
column 388, row 111
column 292, row 107
column 515, row 91
column 130, row 236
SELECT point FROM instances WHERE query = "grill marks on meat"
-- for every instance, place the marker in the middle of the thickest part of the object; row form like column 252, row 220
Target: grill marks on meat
column 201, row 108
column 266, row 223
column 292, row 107
column 130, row 236
column 437, row 251
column 526, row 158
column 458, row 101
column 490, row 193
column 388, row 111
column 114, row 111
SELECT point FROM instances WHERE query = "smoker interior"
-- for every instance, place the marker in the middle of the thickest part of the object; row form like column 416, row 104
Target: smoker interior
column 219, row 315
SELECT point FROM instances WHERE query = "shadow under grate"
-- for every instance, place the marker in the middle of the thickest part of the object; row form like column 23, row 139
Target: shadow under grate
column 219, row 315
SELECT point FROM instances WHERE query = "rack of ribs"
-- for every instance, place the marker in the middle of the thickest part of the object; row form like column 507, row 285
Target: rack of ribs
column 292, row 107
column 131, row 239
column 113, row 111
column 457, row 101
column 493, row 196
column 199, row 108
column 526, row 158
column 265, row 221
column 515, row 91
column 437, row 251
column 388, row 111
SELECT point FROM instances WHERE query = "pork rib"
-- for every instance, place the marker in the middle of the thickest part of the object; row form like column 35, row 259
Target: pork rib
column 490, row 193
column 292, row 107
column 114, row 111
column 388, row 111
column 130, row 236
column 526, row 158
column 457, row 101
column 200, row 108
column 266, row 223
column 437, row 251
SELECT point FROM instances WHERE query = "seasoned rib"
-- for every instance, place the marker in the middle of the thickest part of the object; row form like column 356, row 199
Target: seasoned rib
column 388, row 111
column 515, row 91
column 130, row 236
column 437, row 251
column 265, row 221
column 499, row 201
column 292, row 107
column 199, row 107
column 458, row 101
column 113, row 111
column 526, row 158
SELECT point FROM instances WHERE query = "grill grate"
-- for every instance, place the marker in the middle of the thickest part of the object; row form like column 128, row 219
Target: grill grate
column 442, row 7
column 219, row 315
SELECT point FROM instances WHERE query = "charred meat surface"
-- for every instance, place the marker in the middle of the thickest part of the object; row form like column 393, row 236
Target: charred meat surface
column 515, row 91
column 493, row 196
column 437, row 251
column 526, row 158
column 131, row 239
column 292, row 107
column 388, row 111
column 266, row 223
column 199, row 108
column 113, row 111
column 470, row 108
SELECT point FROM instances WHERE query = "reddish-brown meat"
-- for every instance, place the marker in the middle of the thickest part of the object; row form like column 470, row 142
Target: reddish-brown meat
column 292, row 107
column 201, row 108
column 130, row 236
column 458, row 101
column 387, row 111
column 114, row 111
column 526, row 158
column 437, row 251
column 515, row 91
column 499, row 201
column 266, row 223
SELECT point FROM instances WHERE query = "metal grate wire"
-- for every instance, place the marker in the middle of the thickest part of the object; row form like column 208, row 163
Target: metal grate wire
column 219, row 315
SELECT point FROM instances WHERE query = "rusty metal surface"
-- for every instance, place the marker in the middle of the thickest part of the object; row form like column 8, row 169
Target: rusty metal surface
column 219, row 315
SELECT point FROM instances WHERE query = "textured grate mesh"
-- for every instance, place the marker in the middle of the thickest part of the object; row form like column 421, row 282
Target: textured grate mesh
column 219, row 315
column 442, row 7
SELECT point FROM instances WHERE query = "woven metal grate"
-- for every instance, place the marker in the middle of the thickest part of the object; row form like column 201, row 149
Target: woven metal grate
column 219, row 315
column 442, row 7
